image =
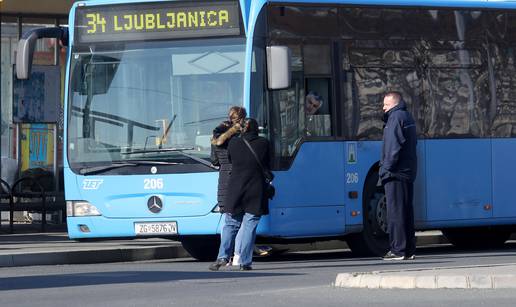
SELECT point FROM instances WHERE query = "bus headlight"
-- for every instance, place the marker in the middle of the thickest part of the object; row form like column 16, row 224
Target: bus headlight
column 81, row 208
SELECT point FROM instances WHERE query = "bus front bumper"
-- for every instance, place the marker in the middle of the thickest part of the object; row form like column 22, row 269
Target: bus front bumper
column 101, row 227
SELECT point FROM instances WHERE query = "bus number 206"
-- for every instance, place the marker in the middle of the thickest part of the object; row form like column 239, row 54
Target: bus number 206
column 351, row 178
column 153, row 183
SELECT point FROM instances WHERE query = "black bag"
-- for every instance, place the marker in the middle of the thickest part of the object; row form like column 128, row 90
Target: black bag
column 270, row 191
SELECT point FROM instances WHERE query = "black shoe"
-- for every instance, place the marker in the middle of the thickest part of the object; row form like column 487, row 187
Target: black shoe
column 262, row 250
column 411, row 257
column 217, row 264
column 392, row 256
column 245, row 267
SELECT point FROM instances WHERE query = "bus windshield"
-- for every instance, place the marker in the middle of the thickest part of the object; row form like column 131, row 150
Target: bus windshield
column 151, row 101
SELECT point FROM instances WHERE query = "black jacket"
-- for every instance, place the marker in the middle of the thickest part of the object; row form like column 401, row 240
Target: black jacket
column 246, row 190
column 219, row 157
column 399, row 160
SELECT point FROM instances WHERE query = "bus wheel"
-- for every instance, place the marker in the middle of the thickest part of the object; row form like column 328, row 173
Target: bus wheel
column 202, row 248
column 478, row 237
column 373, row 240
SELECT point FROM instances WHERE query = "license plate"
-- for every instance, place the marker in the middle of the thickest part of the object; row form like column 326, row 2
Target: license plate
column 169, row 228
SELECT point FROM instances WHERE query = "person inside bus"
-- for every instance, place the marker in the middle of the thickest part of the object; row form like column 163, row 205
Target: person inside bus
column 313, row 102
column 398, row 168
column 246, row 199
column 316, row 119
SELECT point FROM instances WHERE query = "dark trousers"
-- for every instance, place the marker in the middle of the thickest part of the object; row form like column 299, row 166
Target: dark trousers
column 400, row 217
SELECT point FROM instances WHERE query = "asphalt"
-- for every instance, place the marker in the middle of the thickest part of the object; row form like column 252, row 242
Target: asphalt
column 55, row 248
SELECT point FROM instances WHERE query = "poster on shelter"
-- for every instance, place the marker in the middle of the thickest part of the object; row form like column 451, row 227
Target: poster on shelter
column 37, row 99
column 37, row 146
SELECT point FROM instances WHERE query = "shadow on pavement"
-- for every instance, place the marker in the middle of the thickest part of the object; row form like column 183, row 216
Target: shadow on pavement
column 105, row 278
column 445, row 251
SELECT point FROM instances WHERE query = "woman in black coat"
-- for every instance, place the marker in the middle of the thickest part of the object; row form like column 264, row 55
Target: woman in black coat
column 246, row 199
column 219, row 150
column 246, row 189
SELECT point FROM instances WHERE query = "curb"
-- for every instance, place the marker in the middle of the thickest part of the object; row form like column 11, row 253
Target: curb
column 92, row 256
column 379, row 280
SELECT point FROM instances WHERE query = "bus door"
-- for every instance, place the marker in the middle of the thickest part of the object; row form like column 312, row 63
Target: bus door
column 310, row 200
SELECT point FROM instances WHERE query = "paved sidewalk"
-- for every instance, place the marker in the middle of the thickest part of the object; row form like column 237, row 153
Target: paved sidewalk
column 56, row 248
column 464, row 277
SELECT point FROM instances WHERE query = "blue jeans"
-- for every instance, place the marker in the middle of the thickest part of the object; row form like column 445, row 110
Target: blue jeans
column 238, row 235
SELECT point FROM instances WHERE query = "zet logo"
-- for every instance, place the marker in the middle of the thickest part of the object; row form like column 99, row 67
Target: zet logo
column 91, row 184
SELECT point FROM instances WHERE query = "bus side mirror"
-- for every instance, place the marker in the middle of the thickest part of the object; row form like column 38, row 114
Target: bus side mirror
column 278, row 67
column 24, row 56
column 25, row 49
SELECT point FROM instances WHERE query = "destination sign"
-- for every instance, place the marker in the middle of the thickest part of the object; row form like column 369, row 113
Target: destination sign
column 158, row 20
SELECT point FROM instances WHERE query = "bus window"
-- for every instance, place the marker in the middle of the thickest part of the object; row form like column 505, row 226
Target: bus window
column 285, row 107
column 456, row 90
column 304, row 110
column 373, row 67
column 317, row 119
column 504, row 119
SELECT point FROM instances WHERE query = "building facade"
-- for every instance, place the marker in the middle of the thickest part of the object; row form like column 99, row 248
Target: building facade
column 31, row 111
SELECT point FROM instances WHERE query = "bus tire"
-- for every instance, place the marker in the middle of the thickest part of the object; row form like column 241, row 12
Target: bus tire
column 202, row 248
column 477, row 237
column 373, row 240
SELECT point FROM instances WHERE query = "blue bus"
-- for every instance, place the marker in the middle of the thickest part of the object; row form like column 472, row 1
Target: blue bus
column 147, row 81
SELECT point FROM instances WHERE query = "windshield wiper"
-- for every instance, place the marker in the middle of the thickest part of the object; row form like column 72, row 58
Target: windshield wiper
column 179, row 150
column 115, row 165
column 103, row 168
column 144, row 151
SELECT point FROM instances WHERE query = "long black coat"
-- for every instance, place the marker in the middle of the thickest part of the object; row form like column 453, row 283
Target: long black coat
column 246, row 189
column 219, row 157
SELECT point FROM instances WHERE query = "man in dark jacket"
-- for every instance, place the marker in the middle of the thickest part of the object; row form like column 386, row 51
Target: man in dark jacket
column 398, row 168
column 246, row 200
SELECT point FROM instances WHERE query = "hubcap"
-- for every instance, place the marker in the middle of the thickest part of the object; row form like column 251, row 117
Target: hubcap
column 381, row 213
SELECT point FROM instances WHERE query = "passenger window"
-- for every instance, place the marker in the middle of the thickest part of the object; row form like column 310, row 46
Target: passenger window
column 317, row 59
column 303, row 111
column 316, row 118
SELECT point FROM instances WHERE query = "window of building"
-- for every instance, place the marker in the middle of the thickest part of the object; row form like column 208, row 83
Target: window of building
column 19, row 137
column 7, row 130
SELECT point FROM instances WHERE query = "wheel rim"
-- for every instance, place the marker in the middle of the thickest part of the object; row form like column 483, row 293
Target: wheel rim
column 381, row 213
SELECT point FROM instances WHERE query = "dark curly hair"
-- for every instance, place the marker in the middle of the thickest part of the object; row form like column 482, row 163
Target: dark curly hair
column 237, row 114
column 251, row 126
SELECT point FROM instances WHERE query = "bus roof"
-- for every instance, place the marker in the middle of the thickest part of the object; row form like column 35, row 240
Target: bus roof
column 256, row 5
column 425, row 3
column 419, row 3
